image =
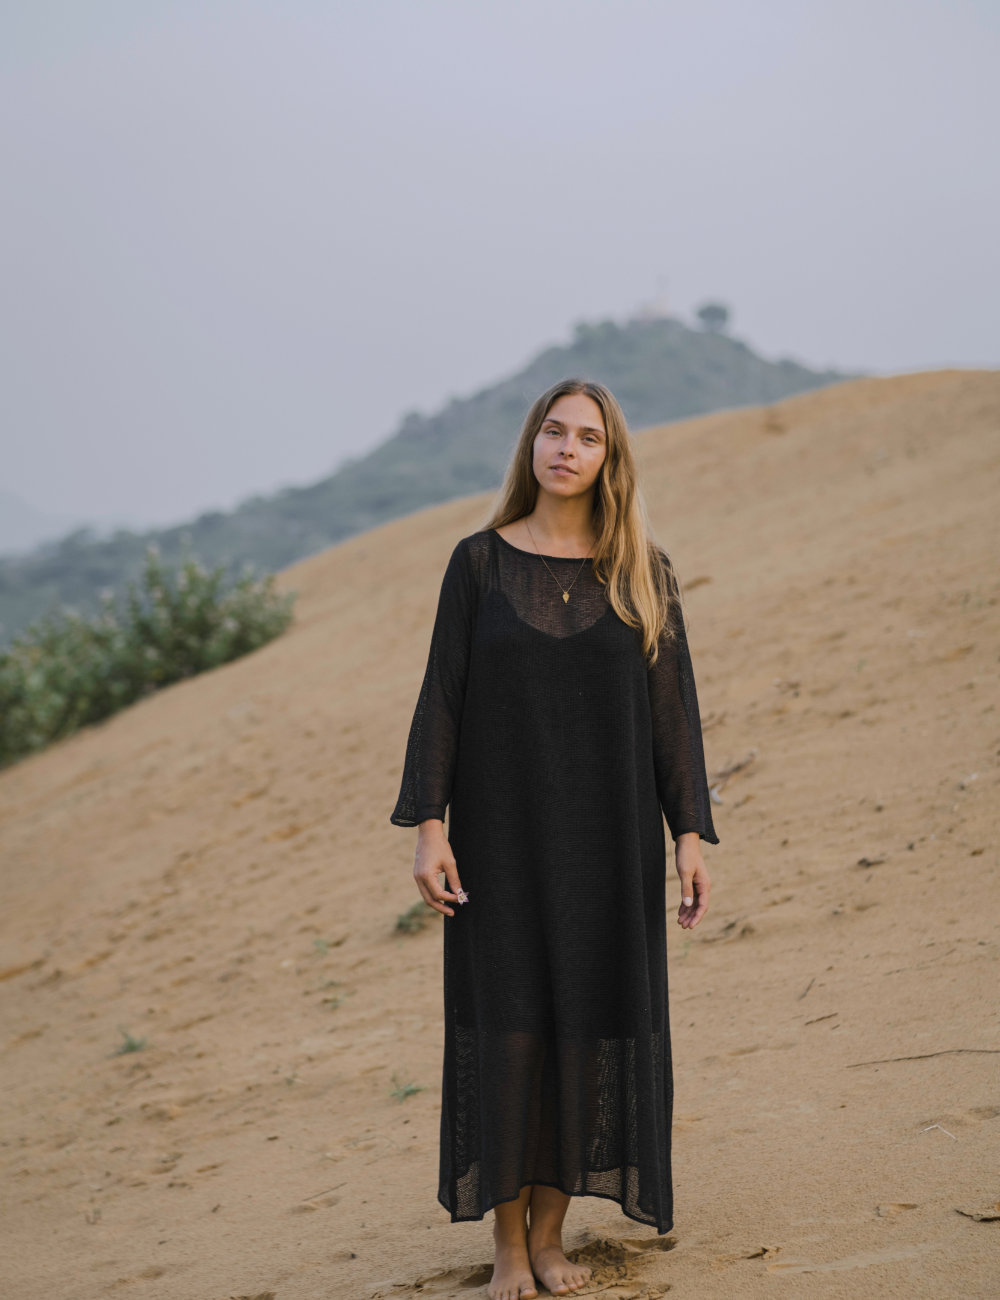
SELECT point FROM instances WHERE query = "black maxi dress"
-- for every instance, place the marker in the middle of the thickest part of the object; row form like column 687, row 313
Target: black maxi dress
column 557, row 754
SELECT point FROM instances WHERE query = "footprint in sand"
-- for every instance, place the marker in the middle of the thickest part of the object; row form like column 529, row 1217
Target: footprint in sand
column 851, row 1261
column 614, row 1262
column 448, row 1283
column 989, row 1215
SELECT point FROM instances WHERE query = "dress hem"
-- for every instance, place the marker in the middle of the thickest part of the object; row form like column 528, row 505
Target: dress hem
column 601, row 1196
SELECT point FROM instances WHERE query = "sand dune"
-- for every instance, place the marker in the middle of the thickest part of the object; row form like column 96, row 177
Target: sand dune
column 214, row 871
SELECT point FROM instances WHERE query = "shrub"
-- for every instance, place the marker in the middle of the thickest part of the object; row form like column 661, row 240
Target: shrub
column 402, row 1088
column 130, row 1044
column 415, row 918
column 65, row 671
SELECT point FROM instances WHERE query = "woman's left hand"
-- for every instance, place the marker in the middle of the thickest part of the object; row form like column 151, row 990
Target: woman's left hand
column 695, row 883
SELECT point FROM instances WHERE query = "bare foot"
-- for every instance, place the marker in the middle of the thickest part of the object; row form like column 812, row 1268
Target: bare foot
column 554, row 1270
column 512, row 1275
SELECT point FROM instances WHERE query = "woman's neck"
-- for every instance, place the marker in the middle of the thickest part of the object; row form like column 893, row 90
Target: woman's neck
column 563, row 525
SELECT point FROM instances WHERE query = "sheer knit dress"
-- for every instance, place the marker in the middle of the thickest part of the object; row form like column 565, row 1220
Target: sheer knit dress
column 557, row 754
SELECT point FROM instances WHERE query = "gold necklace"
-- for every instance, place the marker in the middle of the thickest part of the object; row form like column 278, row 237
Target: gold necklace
column 565, row 590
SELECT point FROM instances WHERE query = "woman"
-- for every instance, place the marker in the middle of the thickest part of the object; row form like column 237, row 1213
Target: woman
column 557, row 723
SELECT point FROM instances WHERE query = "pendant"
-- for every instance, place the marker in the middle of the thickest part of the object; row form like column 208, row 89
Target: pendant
column 565, row 597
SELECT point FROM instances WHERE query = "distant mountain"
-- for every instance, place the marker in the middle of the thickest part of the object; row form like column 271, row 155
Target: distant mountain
column 22, row 526
column 658, row 369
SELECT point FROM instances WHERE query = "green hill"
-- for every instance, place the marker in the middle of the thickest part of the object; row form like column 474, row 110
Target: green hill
column 659, row 369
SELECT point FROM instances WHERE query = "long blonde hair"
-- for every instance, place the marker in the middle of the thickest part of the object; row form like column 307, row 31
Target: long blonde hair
column 640, row 587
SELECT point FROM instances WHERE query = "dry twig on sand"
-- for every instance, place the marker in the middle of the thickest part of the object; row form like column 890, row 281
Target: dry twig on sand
column 926, row 1056
column 943, row 1130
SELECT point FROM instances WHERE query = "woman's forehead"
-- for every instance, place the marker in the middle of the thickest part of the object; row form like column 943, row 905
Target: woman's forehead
column 576, row 408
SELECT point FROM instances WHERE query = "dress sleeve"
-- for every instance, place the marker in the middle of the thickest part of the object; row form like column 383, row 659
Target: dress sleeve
column 432, row 748
column 678, row 753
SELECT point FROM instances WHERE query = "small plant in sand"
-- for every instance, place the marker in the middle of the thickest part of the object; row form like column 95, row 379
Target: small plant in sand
column 415, row 918
column 403, row 1088
column 129, row 1043
column 66, row 672
column 332, row 1000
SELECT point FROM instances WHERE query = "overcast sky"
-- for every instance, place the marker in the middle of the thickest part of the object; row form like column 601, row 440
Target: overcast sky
column 238, row 240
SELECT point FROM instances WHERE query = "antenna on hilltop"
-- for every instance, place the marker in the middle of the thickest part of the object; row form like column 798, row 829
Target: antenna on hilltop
column 657, row 307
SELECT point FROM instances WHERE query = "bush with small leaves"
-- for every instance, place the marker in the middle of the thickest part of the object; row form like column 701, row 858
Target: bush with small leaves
column 66, row 672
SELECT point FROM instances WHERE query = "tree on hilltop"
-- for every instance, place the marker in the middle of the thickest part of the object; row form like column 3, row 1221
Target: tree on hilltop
column 714, row 317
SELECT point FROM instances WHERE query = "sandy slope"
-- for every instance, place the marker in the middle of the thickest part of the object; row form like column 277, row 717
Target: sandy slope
column 214, row 870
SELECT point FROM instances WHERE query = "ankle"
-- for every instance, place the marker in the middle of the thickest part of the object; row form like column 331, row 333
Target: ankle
column 544, row 1237
column 510, row 1238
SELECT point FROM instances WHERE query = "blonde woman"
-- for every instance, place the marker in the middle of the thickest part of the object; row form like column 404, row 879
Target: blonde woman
column 557, row 725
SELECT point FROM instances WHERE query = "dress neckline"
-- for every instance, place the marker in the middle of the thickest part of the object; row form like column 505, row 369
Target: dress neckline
column 566, row 559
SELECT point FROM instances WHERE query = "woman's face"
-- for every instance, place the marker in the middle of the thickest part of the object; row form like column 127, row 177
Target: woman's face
column 570, row 447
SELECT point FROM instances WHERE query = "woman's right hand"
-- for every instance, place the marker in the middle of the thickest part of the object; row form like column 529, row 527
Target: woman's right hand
column 434, row 857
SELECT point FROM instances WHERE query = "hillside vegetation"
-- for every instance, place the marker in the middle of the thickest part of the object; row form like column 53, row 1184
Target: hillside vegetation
column 660, row 370
column 213, row 872
column 68, row 671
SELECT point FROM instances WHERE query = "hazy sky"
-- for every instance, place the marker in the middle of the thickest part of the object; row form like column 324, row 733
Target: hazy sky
column 238, row 240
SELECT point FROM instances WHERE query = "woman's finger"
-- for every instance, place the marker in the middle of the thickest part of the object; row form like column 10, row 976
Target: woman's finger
column 432, row 894
column 686, row 874
column 437, row 889
column 702, row 887
column 431, row 890
column 451, row 874
column 425, row 893
column 432, row 900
